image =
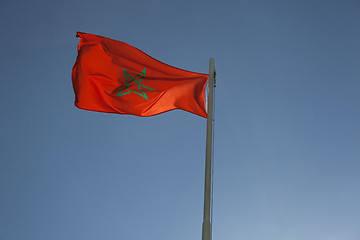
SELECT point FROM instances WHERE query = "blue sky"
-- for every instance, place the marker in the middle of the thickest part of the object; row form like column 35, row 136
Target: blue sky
column 287, row 129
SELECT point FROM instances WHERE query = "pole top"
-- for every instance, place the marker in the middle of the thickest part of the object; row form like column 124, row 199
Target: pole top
column 212, row 70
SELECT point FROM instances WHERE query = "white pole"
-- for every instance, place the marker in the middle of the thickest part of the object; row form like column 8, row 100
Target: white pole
column 207, row 224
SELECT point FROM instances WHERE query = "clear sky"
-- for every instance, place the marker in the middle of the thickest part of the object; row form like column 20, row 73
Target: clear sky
column 287, row 132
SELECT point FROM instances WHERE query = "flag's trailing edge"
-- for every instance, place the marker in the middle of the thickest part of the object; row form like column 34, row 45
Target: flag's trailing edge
column 114, row 77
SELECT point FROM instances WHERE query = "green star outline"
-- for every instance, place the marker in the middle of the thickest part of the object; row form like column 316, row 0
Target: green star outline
column 140, row 92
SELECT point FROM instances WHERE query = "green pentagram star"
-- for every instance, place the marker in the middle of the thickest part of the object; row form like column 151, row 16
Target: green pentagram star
column 129, row 79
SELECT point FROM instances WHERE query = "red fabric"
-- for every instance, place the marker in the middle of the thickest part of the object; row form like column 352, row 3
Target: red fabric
column 114, row 77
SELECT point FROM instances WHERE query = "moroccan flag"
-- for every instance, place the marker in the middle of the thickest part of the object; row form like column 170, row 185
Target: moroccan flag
column 114, row 77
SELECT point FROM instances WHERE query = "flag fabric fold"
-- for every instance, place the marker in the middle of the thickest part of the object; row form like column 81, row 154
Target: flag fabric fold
column 114, row 77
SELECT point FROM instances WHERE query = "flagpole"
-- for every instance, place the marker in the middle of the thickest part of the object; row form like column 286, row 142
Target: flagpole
column 207, row 221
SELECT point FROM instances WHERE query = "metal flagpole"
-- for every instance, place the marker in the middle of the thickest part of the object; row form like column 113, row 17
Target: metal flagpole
column 207, row 222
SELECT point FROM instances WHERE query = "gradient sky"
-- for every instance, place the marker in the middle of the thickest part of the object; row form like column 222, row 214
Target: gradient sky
column 287, row 132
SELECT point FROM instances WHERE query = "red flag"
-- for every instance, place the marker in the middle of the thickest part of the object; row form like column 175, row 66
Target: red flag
column 114, row 77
